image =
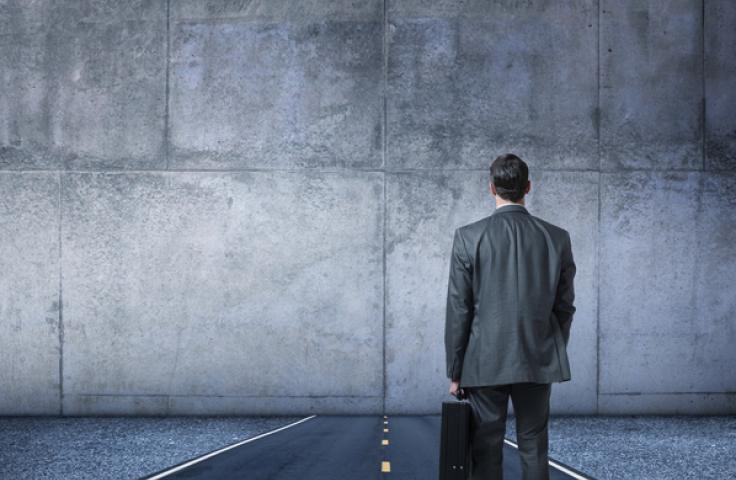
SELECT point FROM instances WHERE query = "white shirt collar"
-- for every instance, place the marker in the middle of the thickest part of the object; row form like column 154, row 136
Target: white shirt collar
column 511, row 205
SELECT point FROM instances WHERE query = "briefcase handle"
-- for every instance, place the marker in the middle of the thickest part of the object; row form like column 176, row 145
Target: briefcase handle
column 461, row 395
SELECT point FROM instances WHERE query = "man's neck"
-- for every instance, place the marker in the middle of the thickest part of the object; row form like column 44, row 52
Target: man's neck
column 500, row 202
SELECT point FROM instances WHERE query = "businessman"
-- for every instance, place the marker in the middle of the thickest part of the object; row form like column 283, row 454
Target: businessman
column 509, row 310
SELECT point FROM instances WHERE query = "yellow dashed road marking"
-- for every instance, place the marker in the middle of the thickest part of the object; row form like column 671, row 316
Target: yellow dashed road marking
column 385, row 466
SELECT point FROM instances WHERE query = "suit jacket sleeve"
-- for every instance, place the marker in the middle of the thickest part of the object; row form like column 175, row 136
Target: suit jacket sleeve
column 563, row 307
column 459, row 308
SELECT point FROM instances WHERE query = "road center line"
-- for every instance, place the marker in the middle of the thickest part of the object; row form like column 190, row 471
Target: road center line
column 225, row 449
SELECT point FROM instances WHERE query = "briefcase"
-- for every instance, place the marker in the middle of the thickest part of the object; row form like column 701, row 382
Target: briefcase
column 455, row 441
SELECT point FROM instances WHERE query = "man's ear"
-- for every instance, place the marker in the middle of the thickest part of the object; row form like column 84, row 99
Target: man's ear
column 528, row 187
column 493, row 189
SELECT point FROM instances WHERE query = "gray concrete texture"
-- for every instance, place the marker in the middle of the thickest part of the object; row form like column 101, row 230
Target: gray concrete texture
column 229, row 285
column 247, row 207
column 651, row 84
column 467, row 81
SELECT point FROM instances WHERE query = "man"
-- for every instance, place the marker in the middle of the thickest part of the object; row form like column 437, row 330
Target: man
column 509, row 310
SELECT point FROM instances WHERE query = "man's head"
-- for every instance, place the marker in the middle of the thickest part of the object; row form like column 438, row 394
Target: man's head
column 510, row 178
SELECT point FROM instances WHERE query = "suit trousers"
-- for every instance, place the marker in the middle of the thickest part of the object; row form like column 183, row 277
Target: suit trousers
column 488, row 427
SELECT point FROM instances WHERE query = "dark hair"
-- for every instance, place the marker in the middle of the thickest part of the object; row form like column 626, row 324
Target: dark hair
column 510, row 176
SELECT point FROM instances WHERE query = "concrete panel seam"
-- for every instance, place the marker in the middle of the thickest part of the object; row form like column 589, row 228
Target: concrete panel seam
column 641, row 394
column 61, row 307
column 223, row 172
column 597, row 253
column 167, row 134
column 697, row 271
column 338, row 170
column 194, row 170
column 385, row 215
column 385, row 203
column 598, row 300
column 159, row 395
column 173, row 370
column 648, row 170
column 385, row 82
column 485, row 170
column 705, row 122
column 598, row 91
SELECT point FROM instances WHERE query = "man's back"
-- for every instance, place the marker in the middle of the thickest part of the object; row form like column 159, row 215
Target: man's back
column 518, row 270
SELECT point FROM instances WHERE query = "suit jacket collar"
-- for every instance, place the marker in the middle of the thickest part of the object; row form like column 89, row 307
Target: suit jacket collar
column 510, row 209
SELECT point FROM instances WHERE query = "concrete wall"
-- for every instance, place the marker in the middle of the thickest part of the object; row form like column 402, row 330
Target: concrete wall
column 247, row 207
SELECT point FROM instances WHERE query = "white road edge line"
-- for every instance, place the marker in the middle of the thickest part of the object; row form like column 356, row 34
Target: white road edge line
column 552, row 463
column 225, row 449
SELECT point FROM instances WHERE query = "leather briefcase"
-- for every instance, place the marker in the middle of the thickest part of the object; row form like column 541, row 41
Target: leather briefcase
column 455, row 441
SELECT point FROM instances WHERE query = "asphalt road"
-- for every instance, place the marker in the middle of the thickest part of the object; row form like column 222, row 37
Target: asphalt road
column 339, row 448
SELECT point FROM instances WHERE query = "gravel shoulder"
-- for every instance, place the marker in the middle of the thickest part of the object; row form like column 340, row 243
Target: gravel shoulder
column 116, row 447
column 644, row 447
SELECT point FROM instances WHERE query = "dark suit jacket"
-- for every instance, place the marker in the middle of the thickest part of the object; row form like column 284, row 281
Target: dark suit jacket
column 510, row 301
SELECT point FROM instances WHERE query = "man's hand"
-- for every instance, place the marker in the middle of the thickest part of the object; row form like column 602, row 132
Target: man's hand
column 455, row 387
